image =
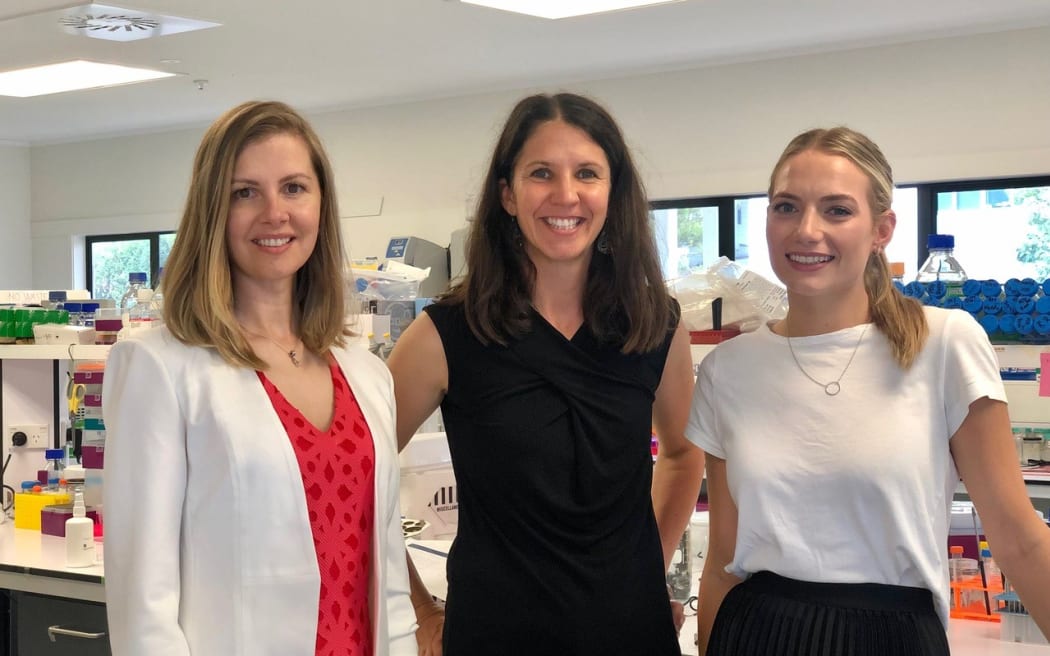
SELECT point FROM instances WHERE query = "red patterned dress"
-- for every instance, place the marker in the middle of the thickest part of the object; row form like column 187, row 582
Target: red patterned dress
column 338, row 469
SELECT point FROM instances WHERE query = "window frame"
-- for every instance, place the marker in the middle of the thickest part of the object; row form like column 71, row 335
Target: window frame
column 926, row 206
column 154, row 252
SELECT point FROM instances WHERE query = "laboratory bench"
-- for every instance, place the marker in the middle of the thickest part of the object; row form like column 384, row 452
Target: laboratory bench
column 47, row 609
column 58, row 611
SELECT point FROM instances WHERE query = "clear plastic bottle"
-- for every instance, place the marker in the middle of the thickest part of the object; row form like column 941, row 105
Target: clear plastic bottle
column 942, row 267
column 136, row 281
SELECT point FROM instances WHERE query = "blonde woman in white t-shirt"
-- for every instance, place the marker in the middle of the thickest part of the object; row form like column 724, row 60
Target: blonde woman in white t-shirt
column 835, row 437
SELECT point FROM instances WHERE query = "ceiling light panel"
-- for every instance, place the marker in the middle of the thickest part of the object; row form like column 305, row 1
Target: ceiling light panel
column 565, row 8
column 71, row 76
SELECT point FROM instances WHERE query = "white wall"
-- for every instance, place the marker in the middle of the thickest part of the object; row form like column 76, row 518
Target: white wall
column 15, row 215
column 946, row 109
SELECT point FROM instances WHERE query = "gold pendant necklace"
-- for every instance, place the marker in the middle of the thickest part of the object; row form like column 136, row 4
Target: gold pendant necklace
column 834, row 387
column 292, row 353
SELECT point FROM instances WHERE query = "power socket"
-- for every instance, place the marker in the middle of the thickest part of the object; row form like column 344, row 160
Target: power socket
column 35, row 436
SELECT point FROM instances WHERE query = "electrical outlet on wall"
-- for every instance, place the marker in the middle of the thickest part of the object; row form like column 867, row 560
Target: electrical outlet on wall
column 27, row 436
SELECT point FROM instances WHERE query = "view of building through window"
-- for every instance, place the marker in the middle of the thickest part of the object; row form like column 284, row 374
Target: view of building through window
column 999, row 233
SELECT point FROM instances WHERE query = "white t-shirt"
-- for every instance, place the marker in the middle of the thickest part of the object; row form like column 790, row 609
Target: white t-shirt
column 849, row 488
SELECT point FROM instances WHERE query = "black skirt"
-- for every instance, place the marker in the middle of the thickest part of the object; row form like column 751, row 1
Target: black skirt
column 770, row 615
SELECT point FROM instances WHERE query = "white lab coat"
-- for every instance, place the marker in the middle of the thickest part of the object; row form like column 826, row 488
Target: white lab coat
column 208, row 546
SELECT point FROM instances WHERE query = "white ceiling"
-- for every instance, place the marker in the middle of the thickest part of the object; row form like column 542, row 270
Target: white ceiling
column 331, row 54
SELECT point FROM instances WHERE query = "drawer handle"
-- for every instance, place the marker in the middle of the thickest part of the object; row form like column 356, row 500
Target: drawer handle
column 57, row 630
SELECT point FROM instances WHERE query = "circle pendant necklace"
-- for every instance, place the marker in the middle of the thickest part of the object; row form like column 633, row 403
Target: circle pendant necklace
column 834, row 387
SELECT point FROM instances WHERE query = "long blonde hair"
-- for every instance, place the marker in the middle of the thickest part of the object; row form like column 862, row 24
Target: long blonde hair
column 900, row 318
column 198, row 289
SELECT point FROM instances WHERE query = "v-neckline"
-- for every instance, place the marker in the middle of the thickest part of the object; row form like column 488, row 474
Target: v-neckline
column 575, row 336
column 299, row 413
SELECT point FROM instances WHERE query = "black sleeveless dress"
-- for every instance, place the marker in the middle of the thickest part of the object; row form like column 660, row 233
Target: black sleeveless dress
column 557, row 549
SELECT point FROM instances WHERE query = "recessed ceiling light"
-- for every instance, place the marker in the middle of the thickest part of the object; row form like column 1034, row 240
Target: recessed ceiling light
column 71, row 76
column 564, row 8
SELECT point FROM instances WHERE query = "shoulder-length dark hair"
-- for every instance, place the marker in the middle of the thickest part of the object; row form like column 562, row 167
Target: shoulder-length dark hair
column 198, row 287
column 625, row 302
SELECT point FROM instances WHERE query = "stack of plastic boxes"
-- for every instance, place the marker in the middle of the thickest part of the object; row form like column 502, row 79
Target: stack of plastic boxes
column 1017, row 311
column 93, row 429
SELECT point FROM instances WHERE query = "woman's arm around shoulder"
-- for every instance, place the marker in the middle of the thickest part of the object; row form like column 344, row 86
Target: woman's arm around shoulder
column 986, row 458
column 679, row 467
column 721, row 547
column 420, row 374
column 144, row 504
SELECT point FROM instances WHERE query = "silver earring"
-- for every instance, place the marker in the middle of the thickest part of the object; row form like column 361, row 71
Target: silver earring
column 602, row 244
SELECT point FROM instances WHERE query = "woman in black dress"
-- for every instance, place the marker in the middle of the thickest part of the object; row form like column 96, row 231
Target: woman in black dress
column 553, row 361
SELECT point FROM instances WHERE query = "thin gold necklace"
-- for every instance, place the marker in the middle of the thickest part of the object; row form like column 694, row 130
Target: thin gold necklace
column 834, row 387
column 292, row 353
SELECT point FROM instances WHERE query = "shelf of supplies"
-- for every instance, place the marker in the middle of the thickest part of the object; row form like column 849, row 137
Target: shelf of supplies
column 53, row 352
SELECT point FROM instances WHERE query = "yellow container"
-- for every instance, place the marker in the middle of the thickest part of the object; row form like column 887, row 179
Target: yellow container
column 29, row 505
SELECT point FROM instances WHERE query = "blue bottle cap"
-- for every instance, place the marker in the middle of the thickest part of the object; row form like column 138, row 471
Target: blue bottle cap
column 54, row 454
column 993, row 306
column 1008, row 323
column 72, row 306
column 937, row 289
column 952, row 303
column 973, row 304
column 991, row 288
column 1042, row 306
column 940, row 241
column 1027, row 287
column 1012, row 285
column 915, row 289
column 137, row 277
column 27, row 486
column 88, row 307
column 990, row 323
column 1024, row 305
column 1025, row 324
column 1042, row 324
column 58, row 296
column 1045, row 286
column 972, row 287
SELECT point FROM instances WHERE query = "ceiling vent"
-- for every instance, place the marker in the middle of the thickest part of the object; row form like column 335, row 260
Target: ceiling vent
column 118, row 24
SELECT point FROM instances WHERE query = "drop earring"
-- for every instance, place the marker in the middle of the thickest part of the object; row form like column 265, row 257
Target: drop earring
column 602, row 245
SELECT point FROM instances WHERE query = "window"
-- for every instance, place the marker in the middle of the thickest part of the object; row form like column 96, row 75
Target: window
column 735, row 226
column 686, row 236
column 1004, row 233
column 110, row 258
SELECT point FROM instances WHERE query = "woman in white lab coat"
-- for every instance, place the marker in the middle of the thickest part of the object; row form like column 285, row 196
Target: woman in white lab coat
column 251, row 496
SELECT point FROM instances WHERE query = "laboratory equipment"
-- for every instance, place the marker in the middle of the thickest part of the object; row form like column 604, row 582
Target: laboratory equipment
column 422, row 254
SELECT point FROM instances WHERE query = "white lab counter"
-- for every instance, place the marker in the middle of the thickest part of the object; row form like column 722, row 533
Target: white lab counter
column 33, row 562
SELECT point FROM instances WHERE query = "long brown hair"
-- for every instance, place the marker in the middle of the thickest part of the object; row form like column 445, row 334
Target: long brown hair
column 625, row 301
column 198, row 289
column 900, row 318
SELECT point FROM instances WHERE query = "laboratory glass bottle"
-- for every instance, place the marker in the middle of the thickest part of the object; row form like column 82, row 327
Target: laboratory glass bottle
column 136, row 281
column 941, row 266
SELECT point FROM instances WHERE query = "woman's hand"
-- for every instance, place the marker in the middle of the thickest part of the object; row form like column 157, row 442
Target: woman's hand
column 431, row 620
